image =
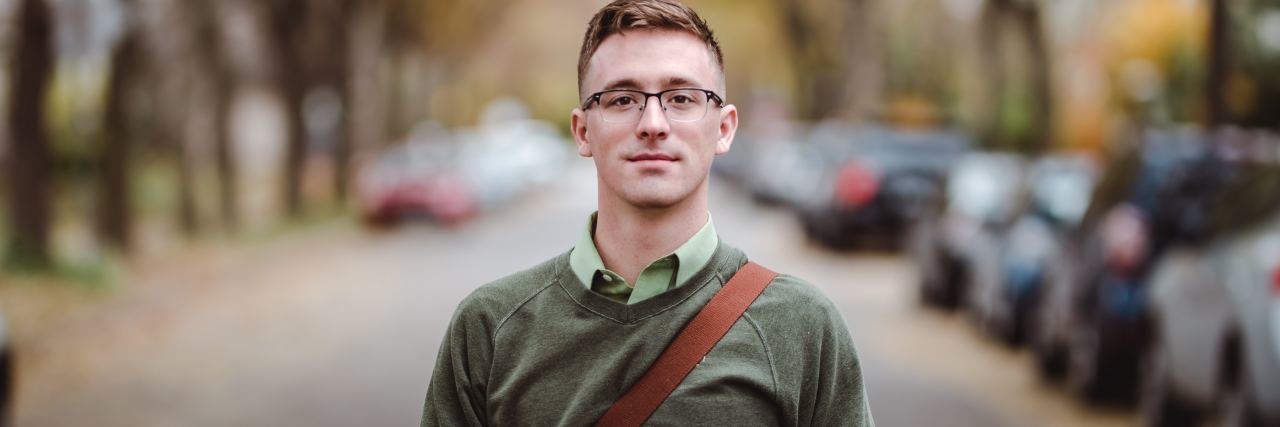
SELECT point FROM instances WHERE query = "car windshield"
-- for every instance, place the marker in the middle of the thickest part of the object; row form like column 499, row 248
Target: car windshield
column 985, row 187
column 1063, row 194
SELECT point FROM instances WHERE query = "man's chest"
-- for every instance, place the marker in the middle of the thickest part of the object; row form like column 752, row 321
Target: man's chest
column 571, row 376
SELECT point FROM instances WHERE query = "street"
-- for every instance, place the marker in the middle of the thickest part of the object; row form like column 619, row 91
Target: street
column 338, row 326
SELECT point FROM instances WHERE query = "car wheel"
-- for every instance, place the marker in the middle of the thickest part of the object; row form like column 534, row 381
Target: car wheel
column 1051, row 359
column 1012, row 328
column 1236, row 402
column 1010, row 332
column 931, row 281
column 1084, row 376
column 954, row 283
column 826, row 237
column 928, row 290
column 1000, row 328
column 1159, row 404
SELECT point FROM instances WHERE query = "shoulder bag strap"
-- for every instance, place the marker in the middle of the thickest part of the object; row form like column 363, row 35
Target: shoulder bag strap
column 694, row 342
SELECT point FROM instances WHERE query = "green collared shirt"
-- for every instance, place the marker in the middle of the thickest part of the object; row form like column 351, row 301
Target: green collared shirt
column 659, row 276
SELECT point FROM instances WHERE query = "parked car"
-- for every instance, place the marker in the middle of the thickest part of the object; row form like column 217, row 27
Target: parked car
column 769, row 160
column 502, row 160
column 1007, row 282
column 870, row 184
column 777, row 170
column 451, row 175
column 1092, row 324
column 982, row 197
column 414, row 179
column 1215, row 313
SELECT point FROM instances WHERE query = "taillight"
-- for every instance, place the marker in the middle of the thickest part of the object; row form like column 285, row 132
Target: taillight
column 855, row 185
column 1124, row 238
column 1275, row 280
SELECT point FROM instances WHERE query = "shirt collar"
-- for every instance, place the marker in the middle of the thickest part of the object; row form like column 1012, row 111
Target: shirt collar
column 692, row 255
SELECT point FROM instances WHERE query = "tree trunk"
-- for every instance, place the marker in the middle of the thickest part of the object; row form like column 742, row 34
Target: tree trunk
column 997, row 16
column 285, row 18
column 366, row 120
column 1041, row 138
column 29, row 158
column 819, row 75
column 228, row 184
column 295, row 150
column 863, row 43
column 114, row 208
column 340, row 64
column 992, row 43
column 213, row 59
column 343, row 145
column 1215, row 82
column 188, row 218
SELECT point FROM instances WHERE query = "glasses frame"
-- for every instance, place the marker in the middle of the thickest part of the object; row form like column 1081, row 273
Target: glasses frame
column 595, row 99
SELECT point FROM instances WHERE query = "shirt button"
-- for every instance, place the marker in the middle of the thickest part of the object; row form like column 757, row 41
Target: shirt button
column 606, row 277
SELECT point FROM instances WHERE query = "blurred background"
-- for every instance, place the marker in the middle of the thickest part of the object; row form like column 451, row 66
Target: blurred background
column 263, row 212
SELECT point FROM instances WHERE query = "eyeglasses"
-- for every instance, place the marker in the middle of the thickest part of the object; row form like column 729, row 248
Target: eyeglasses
column 680, row 105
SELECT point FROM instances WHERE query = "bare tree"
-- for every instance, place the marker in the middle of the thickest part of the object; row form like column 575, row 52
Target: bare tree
column 862, row 40
column 836, row 56
column 1217, row 58
column 29, row 157
column 285, row 33
column 337, row 18
column 364, row 113
column 1024, row 15
column 818, row 69
column 216, row 68
column 114, row 207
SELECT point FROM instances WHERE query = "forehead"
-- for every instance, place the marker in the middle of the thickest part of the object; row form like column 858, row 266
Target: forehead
column 650, row 60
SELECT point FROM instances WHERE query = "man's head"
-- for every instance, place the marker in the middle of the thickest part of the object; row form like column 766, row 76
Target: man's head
column 623, row 15
column 651, row 151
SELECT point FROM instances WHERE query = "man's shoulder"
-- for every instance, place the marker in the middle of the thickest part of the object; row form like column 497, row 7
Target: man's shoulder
column 789, row 289
column 504, row 294
column 794, row 288
column 791, row 299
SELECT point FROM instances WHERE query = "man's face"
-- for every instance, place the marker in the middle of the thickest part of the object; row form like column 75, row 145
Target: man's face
column 653, row 162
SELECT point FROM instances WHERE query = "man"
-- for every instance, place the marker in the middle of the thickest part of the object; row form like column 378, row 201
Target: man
column 560, row 343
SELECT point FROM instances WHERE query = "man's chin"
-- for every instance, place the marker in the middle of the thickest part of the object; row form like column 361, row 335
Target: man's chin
column 655, row 201
column 653, row 205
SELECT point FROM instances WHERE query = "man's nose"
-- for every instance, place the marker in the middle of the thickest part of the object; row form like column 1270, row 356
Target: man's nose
column 653, row 121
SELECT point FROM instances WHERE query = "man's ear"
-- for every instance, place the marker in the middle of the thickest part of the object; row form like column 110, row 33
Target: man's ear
column 728, row 127
column 578, row 123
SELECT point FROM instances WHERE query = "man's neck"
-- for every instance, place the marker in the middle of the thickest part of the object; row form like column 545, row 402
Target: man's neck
column 630, row 238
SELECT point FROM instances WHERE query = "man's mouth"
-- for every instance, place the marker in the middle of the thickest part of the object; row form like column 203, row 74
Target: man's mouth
column 651, row 156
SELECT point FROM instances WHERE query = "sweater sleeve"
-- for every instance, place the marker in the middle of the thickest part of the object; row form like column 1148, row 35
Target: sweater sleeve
column 456, row 394
column 840, row 398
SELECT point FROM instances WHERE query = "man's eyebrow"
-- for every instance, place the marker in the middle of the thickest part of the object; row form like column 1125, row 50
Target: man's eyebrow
column 678, row 81
column 622, row 84
column 671, row 82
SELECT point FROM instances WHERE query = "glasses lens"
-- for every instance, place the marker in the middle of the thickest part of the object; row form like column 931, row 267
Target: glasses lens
column 621, row 106
column 685, row 105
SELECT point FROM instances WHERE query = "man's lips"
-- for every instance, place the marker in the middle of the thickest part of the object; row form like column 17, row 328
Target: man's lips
column 651, row 156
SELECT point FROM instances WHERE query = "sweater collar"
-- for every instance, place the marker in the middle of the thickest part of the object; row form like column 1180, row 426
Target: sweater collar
column 723, row 263
column 664, row 273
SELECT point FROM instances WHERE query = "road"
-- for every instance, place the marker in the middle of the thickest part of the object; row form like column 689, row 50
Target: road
column 338, row 326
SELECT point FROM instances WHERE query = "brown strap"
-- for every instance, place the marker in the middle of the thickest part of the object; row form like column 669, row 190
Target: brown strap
column 694, row 342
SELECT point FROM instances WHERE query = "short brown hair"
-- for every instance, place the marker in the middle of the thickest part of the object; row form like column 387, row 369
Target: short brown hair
column 622, row 15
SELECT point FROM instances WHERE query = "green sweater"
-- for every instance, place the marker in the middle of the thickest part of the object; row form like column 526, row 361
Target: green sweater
column 537, row 348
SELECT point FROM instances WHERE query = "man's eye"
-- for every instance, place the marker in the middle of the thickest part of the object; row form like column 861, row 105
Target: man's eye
column 681, row 99
column 622, row 101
